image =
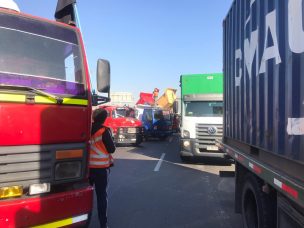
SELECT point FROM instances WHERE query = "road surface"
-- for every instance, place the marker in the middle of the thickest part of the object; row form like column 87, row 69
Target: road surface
column 151, row 187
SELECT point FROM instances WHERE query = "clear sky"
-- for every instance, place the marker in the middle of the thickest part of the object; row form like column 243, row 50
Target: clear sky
column 149, row 43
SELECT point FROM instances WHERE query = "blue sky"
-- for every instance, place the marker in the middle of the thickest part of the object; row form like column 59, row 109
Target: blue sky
column 148, row 43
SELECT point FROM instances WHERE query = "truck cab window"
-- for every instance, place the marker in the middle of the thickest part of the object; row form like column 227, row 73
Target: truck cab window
column 204, row 108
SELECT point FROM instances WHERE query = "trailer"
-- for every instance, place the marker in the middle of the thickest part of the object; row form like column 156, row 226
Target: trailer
column 264, row 110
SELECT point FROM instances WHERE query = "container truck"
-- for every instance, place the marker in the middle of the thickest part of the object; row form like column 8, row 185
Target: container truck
column 264, row 110
column 45, row 120
column 201, row 115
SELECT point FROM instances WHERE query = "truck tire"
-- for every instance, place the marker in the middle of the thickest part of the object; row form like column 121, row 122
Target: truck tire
column 258, row 208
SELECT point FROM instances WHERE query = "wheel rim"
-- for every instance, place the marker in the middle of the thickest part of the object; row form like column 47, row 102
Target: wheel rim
column 250, row 210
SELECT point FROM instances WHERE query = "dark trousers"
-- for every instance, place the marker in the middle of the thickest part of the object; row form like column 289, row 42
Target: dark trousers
column 100, row 178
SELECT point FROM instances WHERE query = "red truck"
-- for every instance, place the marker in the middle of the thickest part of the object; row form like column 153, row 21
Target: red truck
column 125, row 128
column 45, row 119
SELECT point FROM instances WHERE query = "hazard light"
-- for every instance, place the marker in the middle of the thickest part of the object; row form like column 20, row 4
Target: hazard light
column 9, row 4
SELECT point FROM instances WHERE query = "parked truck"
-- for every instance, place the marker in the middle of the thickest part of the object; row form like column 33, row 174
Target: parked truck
column 264, row 110
column 201, row 115
column 45, row 119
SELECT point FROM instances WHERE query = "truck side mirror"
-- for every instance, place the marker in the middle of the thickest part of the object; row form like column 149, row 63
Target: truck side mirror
column 103, row 82
column 103, row 76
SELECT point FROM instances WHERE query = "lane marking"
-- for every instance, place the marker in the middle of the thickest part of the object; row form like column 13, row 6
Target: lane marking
column 157, row 167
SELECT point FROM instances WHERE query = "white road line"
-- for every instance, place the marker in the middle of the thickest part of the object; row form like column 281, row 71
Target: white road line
column 157, row 167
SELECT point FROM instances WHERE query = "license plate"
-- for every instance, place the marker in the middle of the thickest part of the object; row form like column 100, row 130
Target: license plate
column 212, row 148
column 132, row 130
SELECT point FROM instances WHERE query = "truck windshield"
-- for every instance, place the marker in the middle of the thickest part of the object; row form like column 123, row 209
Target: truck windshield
column 204, row 108
column 161, row 115
column 125, row 112
column 43, row 59
column 121, row 112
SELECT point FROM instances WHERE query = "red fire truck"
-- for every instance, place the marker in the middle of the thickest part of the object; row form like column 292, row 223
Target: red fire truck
column 125, row 127
column 45, row 119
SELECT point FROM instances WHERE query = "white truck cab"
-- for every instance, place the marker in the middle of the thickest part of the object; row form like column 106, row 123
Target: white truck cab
column 201, row 115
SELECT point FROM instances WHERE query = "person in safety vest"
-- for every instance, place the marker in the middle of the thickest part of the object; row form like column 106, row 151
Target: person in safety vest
column 102, row 146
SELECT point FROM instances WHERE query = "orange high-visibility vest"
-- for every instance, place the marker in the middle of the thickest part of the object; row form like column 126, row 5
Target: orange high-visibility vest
column 99, row 156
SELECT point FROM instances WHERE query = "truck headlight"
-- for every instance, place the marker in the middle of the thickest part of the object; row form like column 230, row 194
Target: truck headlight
column 67, row 170
column 186, row 145
column 186, row 134
column 121, row 136
column 39, row 188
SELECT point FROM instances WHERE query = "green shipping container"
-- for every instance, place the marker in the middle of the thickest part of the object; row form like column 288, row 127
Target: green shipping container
column 201, row 84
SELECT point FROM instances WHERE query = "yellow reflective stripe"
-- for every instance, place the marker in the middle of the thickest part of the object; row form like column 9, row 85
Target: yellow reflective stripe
column 42, row 99
column 74, row 101
column 68, row 101
column 12, row 97
column 64, row 222
column 60, row 223
column 45, row 100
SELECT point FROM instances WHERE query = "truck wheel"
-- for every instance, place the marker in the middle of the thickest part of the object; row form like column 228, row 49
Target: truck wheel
column 258, row 208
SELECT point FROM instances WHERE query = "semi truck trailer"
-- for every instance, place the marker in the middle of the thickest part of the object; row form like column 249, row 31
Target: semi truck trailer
column 264, row 110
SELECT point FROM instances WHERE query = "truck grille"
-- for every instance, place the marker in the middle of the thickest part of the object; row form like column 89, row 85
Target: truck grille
column 130, row 130
column 206, row 134
column 24, row 167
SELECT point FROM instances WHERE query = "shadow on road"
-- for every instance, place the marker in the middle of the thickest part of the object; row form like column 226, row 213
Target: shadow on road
column 173, row 144
column 176, row 197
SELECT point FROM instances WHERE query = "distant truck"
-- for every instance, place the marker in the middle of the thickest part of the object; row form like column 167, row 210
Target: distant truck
column 166, row 101
column 264, row 110
column 157, row 123
column 126, row 129
column 201, row 115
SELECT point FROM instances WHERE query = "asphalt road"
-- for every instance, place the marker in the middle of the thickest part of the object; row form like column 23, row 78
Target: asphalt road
column 151, row 187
